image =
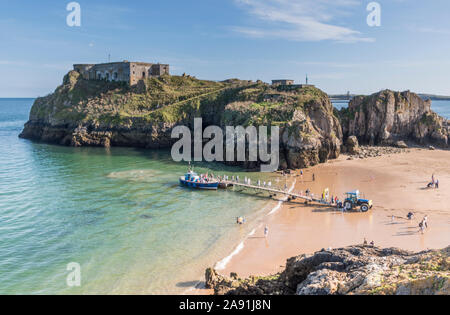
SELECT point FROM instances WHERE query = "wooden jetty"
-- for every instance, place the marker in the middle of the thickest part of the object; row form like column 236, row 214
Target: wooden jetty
column 227, row 183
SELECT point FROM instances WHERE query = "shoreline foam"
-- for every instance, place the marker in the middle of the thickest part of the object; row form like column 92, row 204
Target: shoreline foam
column 222, row 264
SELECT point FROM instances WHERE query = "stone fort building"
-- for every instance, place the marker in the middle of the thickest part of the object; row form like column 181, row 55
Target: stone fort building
column 125, row 71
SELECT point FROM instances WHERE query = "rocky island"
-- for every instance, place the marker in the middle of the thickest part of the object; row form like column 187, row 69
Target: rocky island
column 106, row 113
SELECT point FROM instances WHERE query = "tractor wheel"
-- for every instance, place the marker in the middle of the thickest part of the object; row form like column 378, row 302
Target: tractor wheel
column 348, row 205
column 364, row 207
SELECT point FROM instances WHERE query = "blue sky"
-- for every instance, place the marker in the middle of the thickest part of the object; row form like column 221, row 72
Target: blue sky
column 249, row 39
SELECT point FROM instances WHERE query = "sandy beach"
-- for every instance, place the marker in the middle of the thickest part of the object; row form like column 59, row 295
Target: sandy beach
column 396, row 183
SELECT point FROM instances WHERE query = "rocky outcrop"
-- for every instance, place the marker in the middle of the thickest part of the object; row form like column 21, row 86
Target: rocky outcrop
column 387, row 117
column 310, row 133
column 358, row 270
column 100, row 113
column 352, row 145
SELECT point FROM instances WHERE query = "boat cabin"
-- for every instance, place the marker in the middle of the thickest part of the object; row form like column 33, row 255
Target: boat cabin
column 191, row 176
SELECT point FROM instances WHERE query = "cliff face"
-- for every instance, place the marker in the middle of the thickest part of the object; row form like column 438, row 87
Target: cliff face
column 310, row 133
column 99, row 113
column 387, row 116
column 358, row 270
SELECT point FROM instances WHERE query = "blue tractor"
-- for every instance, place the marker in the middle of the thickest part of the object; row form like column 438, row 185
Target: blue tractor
column 354, row 200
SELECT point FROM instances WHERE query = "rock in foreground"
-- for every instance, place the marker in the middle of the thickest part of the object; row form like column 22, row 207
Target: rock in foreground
column 358, row 270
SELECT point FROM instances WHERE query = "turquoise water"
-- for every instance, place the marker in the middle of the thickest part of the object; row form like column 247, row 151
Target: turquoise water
column 119, row 213
column 440, row 107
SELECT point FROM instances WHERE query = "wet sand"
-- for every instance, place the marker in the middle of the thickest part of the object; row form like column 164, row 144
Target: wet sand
column 395, row 183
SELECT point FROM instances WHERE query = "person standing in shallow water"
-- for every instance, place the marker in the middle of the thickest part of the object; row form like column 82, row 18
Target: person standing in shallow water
column 266, row 231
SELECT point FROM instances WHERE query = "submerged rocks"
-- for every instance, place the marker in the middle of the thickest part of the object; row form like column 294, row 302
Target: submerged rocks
column 350, row 270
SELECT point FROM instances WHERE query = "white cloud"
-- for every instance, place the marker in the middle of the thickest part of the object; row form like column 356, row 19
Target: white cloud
column 301, row 20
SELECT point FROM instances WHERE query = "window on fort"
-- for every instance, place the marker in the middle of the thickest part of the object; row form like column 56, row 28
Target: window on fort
column 99, row 76
column 143, row 74
column 107, row 76
column 115, row 76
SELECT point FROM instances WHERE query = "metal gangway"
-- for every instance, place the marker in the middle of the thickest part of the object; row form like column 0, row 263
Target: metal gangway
column 232, row 183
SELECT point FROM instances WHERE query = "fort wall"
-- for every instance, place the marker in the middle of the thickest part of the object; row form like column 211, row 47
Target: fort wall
column 130, row 72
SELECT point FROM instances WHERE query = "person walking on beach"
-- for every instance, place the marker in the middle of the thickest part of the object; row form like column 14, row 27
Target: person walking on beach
column 436, row 185
column 410, row 215
column 425, row 221
column 313, row 177
column 266, row 231
column 421, row 227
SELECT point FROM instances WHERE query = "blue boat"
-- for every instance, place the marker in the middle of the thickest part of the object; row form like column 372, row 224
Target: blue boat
column 191, row 179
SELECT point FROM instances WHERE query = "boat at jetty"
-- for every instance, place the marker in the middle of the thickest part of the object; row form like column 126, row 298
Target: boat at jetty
column 191, row 179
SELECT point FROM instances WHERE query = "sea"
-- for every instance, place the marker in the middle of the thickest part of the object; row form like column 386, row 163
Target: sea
column 118, row 215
